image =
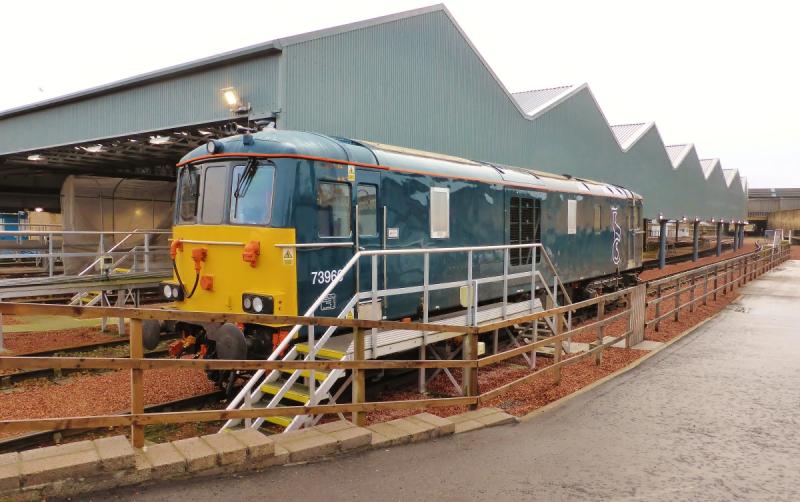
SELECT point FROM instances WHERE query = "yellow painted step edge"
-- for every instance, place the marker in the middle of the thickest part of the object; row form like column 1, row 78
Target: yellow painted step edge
column 292, row 395
column 279, row 420
column 318, row 375
column 323, row 353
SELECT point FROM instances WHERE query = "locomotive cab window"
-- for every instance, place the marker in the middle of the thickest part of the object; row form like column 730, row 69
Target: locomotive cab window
column 251, row 194
column 188, row 194
column 440, row 213
column 333, row 209
column 367, row 210
column 524, row 228
column 213, row 196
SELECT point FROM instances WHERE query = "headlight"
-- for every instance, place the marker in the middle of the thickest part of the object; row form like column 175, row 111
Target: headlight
column 258, row 305
column 176, row 293
column 167, row 291
column 247, row 303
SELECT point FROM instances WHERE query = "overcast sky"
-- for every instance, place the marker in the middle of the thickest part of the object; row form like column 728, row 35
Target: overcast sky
column 723, row 75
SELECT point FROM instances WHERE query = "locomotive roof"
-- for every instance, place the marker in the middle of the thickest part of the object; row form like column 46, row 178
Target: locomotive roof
column 303, row 144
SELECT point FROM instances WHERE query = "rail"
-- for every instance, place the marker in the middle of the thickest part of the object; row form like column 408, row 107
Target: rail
column 634, row 303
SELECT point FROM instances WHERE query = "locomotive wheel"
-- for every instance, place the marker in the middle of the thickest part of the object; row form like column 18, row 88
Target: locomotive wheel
column 151, row 334
column 230, row 342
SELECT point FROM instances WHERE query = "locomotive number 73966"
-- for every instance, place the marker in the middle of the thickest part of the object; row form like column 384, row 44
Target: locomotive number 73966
column 324, row 276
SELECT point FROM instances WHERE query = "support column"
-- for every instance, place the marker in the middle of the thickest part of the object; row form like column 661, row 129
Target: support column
column 735, row 236
column 719, row 238
column 695, row 239
column 662, row 243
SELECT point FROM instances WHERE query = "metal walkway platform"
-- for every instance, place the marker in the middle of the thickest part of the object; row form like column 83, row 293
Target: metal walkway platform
column 401, row 340
column 36, row 286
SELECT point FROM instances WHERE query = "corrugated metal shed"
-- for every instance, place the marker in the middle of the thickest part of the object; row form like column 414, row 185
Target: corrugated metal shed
column 532, row 101
column 411, row 79
column 627, row 134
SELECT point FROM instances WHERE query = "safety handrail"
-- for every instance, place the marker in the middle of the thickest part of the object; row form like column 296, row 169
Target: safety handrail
column 248, row 388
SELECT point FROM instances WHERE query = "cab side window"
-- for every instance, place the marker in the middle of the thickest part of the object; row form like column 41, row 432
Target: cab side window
column 333, row 209
column 367, row 210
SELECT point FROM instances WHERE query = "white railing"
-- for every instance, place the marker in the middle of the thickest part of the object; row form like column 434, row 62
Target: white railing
column 46, row 247
column 251, row 392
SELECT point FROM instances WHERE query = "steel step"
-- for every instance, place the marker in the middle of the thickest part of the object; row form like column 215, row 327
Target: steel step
column 279, row 420
column 319, row 375
column 323, row 353
column 297, row 392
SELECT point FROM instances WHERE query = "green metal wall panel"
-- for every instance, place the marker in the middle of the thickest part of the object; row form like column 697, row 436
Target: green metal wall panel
column 175, row 102
column 416, row 82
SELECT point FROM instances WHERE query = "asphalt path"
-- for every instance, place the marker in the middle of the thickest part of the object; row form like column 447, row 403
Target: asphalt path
column 715, row 416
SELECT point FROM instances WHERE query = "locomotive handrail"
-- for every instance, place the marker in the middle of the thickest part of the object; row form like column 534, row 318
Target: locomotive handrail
column 217, row 243
column 317, row 245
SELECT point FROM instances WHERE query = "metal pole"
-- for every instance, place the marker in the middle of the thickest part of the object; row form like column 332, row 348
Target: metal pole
column 695, row 240
column 423, row 350
column 662, row 244
column 719, row 238
column 374, row 334
column 147, row 252
column 735, row 237
column 51, row 260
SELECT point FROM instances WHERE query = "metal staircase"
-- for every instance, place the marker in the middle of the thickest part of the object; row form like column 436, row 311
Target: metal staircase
column 309, row 387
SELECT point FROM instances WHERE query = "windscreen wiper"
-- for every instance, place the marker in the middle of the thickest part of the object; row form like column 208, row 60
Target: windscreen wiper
column 243, row 182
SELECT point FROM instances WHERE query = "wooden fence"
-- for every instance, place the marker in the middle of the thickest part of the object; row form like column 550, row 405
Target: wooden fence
column 725, row 275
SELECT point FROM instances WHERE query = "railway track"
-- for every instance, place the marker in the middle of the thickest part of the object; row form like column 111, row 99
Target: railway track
column 35, row 439
column 9, row 379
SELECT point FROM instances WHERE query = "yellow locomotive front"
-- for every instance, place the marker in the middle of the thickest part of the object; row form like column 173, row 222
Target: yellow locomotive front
column 227, row 258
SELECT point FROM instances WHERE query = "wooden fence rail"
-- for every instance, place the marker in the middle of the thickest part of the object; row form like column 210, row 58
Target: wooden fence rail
column 736, row 271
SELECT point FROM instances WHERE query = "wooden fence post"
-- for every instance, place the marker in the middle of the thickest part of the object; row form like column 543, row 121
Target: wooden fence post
column 637, row 304
column 359, row 390
column 601, row 314
column 557, row 349
column 716, row 281
column 658, row 307
column 692, row 293
column 137, row 378
column 469, row 376
column 705, row 287
column 677, row 299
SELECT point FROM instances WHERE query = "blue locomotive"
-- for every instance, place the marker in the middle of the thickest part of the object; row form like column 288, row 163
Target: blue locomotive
column 265, row 220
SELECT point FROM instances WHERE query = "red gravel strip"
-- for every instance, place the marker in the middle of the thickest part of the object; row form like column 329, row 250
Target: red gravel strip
column 106, row 393
column 32, row 341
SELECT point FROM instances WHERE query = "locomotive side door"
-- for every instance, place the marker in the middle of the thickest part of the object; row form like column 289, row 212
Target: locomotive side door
column 369, row 223
column 634, row 237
